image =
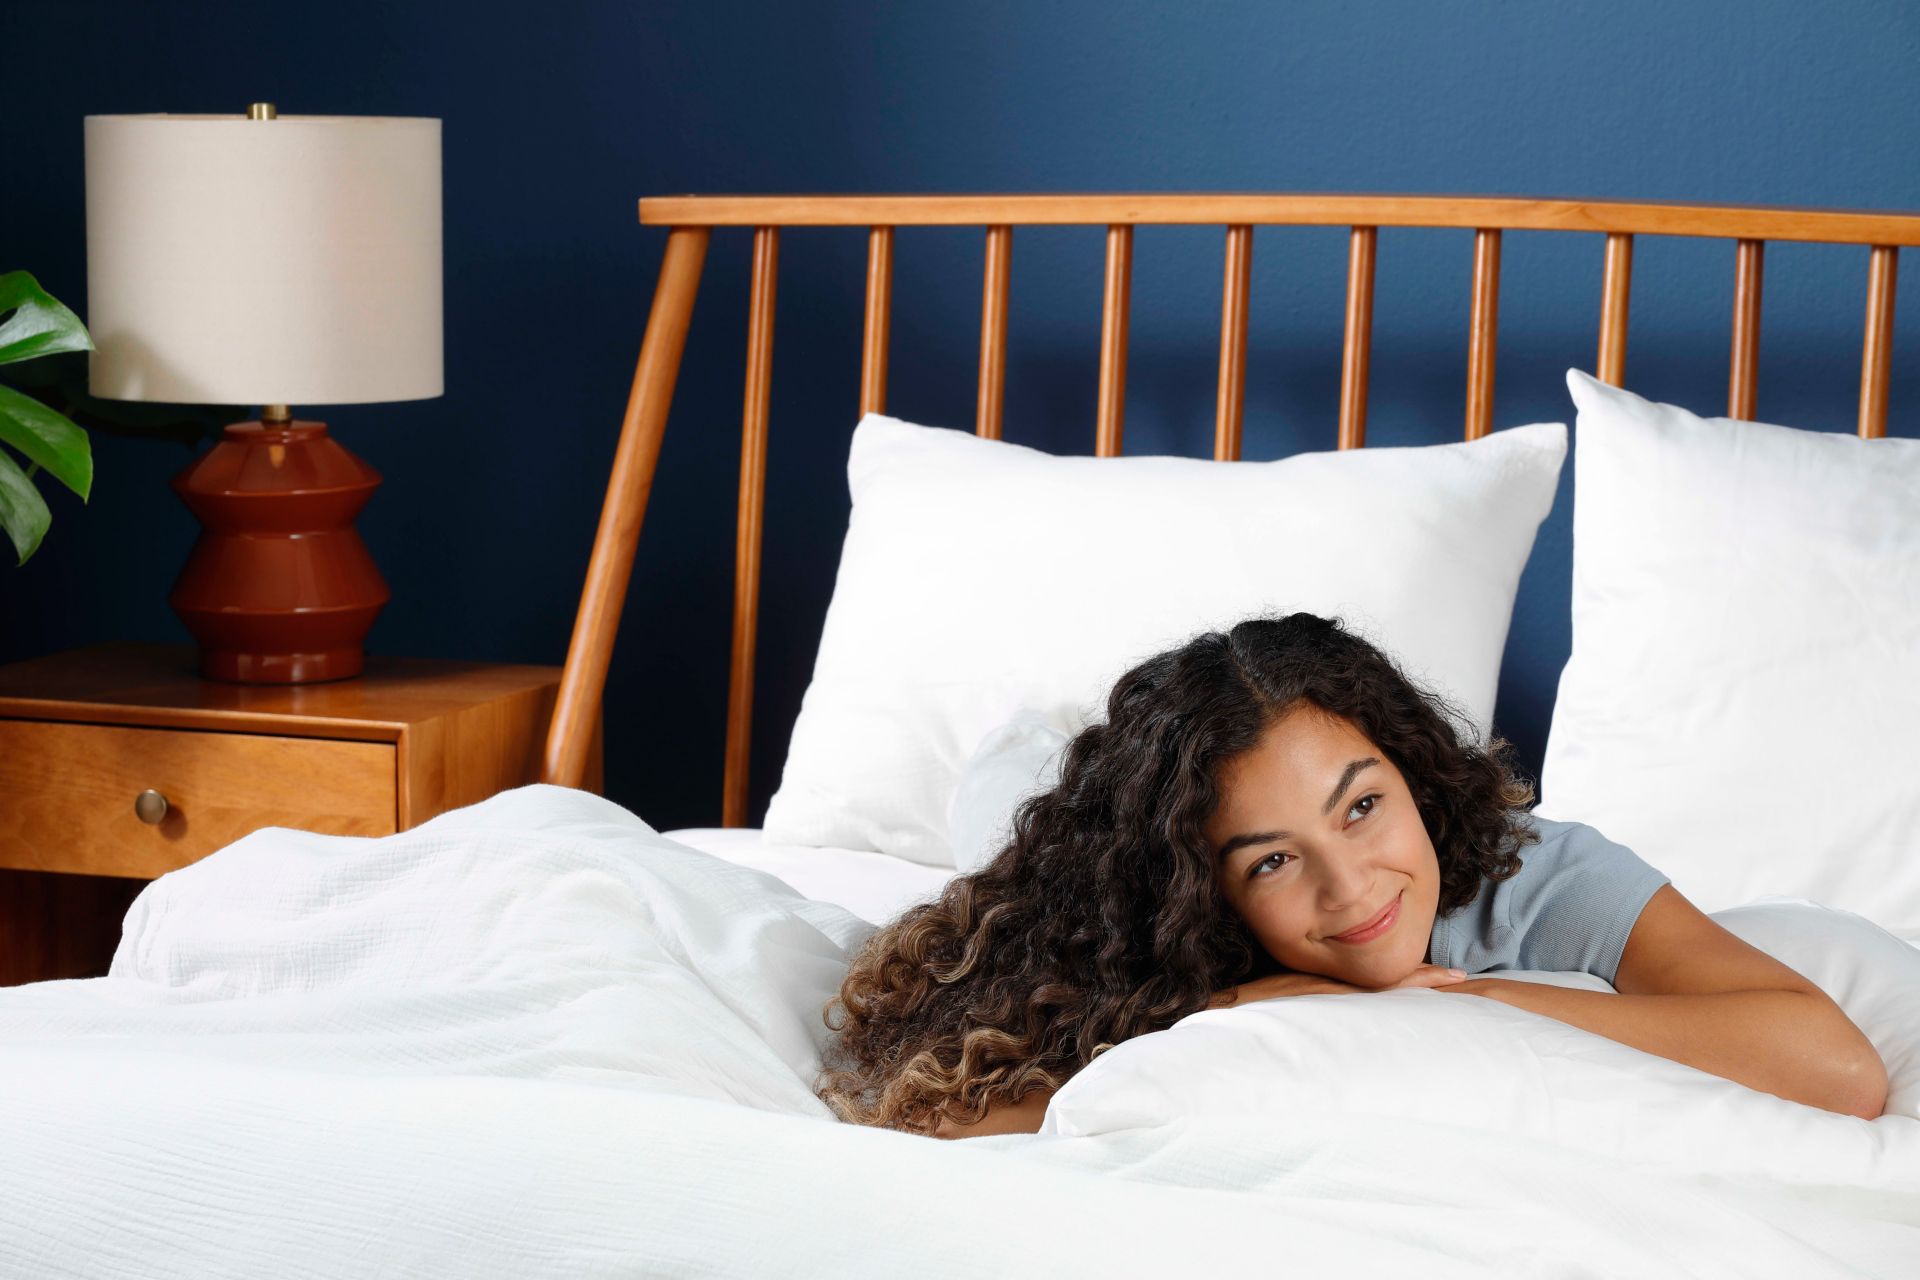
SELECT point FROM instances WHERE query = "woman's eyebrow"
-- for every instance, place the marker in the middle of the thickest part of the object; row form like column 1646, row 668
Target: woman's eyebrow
column 1347, row 775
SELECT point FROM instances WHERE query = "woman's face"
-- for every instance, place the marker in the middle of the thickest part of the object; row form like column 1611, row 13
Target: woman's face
column 1315, row 836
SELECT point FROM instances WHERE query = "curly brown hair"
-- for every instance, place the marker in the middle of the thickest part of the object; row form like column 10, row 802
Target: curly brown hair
column 1101, row 919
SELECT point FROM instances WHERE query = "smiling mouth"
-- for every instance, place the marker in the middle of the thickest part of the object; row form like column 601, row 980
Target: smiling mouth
column 1373, row 928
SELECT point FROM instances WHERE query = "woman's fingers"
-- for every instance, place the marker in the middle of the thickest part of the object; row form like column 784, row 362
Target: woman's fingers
column 1432, row 975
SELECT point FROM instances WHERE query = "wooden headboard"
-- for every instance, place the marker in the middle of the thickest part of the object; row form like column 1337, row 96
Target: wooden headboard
column 692, row 218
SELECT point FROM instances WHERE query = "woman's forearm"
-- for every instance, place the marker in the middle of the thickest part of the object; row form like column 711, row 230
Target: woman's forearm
column 1024, row 1116
column 1791, row 1044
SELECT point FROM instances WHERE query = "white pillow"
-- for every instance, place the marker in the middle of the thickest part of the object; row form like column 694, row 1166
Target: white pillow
column 1492, row 1068
column 979, row 577
column 1018, row 759
column 1743, row 699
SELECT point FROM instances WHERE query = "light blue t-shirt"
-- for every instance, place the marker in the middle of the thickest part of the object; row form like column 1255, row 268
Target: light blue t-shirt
column 1569, row 908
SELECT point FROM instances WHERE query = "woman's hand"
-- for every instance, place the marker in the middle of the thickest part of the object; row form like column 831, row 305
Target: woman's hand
column 1312, row 984
column 1279, row 984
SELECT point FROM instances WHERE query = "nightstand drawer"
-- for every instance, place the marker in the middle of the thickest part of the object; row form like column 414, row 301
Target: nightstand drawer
column 67, row 793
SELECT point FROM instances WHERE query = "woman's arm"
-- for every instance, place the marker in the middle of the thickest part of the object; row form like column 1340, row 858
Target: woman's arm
column 1693, row 992
column 1275, row 985
column 1023, row 1116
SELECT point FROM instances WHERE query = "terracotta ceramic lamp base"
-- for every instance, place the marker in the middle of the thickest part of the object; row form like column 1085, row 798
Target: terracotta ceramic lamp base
column 279, row 589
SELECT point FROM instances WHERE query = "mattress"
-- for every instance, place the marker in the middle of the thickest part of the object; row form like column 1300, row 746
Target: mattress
column 874, row 886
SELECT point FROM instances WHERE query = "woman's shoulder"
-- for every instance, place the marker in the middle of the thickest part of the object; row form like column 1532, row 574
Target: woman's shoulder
column 1574, row 869
column 1564, row 840
column 1569, row 907
column 1569, row 865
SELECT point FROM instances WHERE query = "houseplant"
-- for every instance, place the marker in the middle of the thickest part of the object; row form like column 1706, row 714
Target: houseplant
column 33, row 325
column 46, row 410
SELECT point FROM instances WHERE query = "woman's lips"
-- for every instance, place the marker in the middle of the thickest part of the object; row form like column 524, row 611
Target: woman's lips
column 1375, row 927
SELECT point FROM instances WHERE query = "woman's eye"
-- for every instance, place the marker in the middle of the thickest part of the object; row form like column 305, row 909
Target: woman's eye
column 1370, row 802
column 1260, row 868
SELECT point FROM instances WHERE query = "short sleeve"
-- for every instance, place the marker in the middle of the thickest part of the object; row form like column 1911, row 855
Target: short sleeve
column 1576, row 900
column 1569, row 909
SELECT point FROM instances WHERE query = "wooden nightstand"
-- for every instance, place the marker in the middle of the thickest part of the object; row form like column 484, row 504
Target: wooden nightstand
column 118, row 763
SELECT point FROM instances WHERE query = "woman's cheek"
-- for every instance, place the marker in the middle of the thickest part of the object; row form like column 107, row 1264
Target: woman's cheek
column 1283, row 934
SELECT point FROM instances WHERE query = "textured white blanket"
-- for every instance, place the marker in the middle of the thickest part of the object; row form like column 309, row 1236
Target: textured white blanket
column 532, row 1037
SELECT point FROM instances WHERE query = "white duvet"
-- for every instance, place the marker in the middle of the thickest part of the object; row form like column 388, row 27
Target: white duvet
column 533, row 1037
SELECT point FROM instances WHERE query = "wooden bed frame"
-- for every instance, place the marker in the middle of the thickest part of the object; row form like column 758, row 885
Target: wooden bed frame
column 692, row 218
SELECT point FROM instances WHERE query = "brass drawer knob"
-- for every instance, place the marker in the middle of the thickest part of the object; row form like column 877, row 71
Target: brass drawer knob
column 150, row 806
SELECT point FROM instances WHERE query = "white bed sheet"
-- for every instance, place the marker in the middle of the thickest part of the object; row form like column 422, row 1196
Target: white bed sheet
column 874, row 886
column 532, row 1037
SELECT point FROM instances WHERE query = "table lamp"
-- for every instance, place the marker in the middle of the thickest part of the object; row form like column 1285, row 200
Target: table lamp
column 270, row 260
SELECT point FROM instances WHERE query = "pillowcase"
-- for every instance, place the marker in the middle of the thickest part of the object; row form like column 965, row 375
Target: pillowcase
column 1743, row 695
column 1018, row 759
column 979, row 577
column 1489, row 1067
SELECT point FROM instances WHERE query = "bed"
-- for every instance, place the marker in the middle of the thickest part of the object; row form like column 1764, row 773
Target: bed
column 538, row 1036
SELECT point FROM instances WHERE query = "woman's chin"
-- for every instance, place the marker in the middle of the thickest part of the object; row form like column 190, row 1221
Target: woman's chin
column 1379, row 977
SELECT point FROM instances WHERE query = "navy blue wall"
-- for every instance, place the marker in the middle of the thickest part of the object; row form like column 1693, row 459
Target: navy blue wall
column 558, row 117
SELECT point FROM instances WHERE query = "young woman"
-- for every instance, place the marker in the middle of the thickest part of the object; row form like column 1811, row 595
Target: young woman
column 1272, row 811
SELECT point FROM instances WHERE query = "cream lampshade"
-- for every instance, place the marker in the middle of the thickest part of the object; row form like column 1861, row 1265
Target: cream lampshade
column 269, row 260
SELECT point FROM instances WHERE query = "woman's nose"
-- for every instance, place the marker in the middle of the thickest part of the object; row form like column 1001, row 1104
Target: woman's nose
column 1343, row 884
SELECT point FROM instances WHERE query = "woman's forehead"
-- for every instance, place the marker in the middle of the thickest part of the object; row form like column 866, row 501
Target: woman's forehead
column 1308, row 735
column 1298, row 757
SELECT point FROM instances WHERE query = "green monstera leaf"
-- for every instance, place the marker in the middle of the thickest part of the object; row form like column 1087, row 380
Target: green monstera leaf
column 22, row 510
column 48, row 440
column 33, row 324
